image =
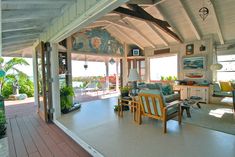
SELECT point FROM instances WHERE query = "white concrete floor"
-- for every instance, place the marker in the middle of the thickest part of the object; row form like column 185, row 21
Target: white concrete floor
column 98, row 125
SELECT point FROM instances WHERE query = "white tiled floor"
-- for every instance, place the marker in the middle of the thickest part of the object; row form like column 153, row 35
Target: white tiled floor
column 98, row 125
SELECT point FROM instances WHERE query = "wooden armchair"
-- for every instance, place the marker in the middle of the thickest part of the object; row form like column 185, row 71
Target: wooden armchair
column 152, row 105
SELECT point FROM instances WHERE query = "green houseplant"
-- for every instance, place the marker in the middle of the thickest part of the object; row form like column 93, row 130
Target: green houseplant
column 66, row 98
column 2, row 124
column 125, row 91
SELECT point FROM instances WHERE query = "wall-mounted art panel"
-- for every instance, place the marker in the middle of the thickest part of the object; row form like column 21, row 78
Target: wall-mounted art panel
column 97, row 41
column 190, row 63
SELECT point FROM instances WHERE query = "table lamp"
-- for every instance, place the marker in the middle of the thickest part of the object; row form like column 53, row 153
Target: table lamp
column 134, row 77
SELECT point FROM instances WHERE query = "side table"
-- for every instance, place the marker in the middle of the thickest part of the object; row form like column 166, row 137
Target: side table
column 132, row 102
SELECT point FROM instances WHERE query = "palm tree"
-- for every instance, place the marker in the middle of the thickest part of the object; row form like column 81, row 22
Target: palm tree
column 11, row 66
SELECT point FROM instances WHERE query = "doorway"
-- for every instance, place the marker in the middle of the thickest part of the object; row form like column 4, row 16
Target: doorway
column 43, row 73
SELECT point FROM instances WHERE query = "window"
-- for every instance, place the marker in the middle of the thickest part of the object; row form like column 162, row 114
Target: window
column 163, row 67
column 227, row 73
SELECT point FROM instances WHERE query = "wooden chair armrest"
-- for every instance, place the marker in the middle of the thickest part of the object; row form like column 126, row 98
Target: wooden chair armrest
column 174, row 103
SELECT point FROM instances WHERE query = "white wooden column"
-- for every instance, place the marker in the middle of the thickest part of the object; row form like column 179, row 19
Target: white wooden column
column 107, row 74
column 125, row 65
column 117, row 76
column 147, row 66
column 69, row 60
column 55, row 81
column 35, row 79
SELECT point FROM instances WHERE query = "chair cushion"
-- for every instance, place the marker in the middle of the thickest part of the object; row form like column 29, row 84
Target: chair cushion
column 154, row 86
column 226, row 86
column 216, row 87
column 167, row 90
column 172, row 97
column 172, row 110
column 222, row 94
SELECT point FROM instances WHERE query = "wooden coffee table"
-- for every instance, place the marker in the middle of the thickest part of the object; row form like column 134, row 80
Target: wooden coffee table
column 187, row 104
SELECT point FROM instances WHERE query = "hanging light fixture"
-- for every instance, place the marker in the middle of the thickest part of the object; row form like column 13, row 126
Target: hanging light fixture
column 111, row 61
column 203, row 12
column 216, row 65
column 85, row 64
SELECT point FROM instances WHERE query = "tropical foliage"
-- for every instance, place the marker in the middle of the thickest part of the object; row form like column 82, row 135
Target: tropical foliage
column 66, row 94
column 14, row 74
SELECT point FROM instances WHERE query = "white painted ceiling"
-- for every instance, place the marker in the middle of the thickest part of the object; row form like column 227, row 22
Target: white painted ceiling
column 24, row 20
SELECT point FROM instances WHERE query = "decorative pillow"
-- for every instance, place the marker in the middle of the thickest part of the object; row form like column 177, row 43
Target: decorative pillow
column 167, row 90
column 154, row 86
column 216, row 87
column 226, row 86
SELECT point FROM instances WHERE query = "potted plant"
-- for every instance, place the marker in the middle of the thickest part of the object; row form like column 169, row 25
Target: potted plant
column 2, row 124
column 125, row 91
column 66, row 98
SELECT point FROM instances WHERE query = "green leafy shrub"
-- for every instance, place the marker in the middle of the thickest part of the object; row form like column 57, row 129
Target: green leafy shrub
column 66, row 94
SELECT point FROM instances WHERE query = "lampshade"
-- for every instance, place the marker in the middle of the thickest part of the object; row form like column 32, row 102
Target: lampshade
column 216, row 66
column 133, row 75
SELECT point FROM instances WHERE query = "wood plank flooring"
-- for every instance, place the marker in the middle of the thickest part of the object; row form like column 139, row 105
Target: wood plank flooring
column 29, row 136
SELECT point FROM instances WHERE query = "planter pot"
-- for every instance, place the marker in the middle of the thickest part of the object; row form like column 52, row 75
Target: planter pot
column 125, row 94
column 73, row 108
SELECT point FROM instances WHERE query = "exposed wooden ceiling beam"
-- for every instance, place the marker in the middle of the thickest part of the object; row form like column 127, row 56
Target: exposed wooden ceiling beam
column 152, row 26
column 217, row 25
column 38, row 2
column 140, row 13
column 132, row 40
column 173, row 27
column 141, row 33
column 189, row 20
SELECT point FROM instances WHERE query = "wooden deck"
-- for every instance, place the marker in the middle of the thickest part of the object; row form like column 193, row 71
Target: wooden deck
column 29, row 136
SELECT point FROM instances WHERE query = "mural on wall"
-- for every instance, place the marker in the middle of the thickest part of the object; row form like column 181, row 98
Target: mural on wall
column 97, row 41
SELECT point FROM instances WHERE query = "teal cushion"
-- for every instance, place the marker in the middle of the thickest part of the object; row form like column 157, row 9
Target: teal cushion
column 167, row 90
column 172, row 97
column 154, row 86
column 222, row 94
column 172, row 110
column 216, row 87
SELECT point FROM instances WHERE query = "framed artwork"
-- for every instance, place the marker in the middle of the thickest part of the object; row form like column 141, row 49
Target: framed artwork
column 190, row 63
column 189, row 49
column 136, row 52
column 194, row 75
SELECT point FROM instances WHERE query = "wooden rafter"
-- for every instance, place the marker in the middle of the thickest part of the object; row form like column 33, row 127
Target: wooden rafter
column 132, row 40
column 141, row 33
column 163, row 13
column 189, row 20
column 140, row 13
column 217, row 25
column 152, row 26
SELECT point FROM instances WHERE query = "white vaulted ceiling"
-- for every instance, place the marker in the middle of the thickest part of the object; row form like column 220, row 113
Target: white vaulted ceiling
column 24, row 20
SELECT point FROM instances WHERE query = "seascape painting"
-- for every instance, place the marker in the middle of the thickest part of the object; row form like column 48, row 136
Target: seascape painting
column 193, row 63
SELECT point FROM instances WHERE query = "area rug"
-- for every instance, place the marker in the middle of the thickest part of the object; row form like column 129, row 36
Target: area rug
column 211, row 116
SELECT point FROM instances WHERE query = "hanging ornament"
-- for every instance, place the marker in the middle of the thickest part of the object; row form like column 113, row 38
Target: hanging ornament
column 203, row 12
column 85, row 65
